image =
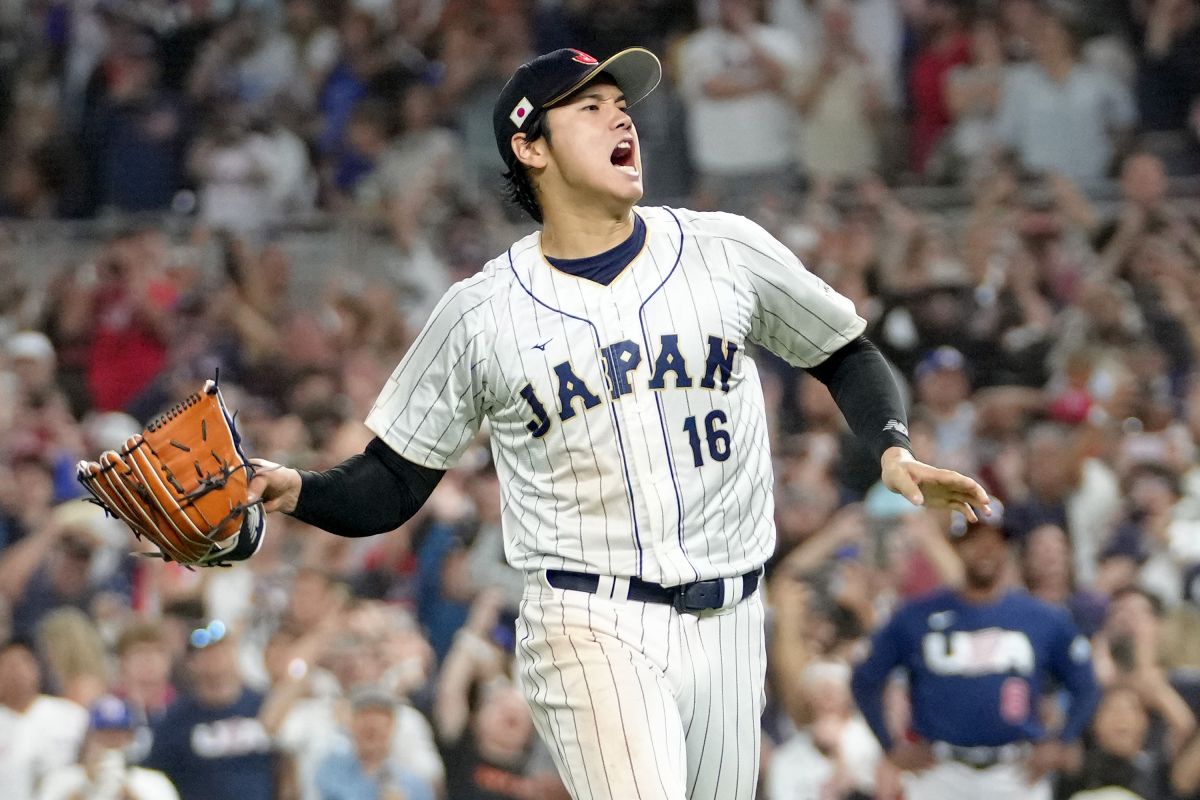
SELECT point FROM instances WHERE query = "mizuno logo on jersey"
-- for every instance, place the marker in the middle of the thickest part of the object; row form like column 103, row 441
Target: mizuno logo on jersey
column 621, row 360
column 989, row 651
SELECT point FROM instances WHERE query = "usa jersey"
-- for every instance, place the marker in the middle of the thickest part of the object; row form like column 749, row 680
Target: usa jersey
column 975, row 672
column 627, row 420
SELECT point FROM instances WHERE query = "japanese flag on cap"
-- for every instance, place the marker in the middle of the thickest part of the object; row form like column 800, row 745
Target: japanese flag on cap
column 520, row 114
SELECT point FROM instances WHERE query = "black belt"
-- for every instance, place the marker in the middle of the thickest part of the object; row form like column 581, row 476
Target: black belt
column 688, row 597
column 982, row 757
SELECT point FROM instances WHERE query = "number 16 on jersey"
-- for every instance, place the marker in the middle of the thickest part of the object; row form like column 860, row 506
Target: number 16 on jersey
column 715, row 436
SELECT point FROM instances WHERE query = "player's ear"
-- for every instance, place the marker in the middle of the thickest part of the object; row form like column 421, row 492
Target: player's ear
column 534, row 153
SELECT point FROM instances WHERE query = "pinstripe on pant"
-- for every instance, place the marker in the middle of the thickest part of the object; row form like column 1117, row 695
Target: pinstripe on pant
column 636, row 700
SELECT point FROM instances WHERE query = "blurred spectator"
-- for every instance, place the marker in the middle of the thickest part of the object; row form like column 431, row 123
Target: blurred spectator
column 103, row 772
column 1156, row 535
column 135, row 138
column 835, row 756
column 60, row 563
column 878, row 28
column 1168, row 77
column 308, row 703
column 483, row 723
column 1019, row 22
column 315, row 43
column 1131, row 645
column 120, row 308
column 1047, row 572
column 39, row 183
column 291, row 181
column 248, row 60
column 838, row 97
column 831, row 753
column 420, row 174
column 183, row 37
column 25, row 509
column 445, row 586
column 210, row 742
column 362, row 59
column 33, row 361
column 368, row 134
column 1119, row 752
column 946, row 46
column 477, row 56
column 74, row 654
column 732, row 71
column 1063, row 486
column 231, row 165
column 1058, row 114
column 972, row 93
column 1144, row 212
column 38, row 733
column 370, row 771
column 143, row 679
column 943, row 393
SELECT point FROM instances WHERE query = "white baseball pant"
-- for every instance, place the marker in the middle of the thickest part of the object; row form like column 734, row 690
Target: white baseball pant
column 953, row 780
column 636, row 700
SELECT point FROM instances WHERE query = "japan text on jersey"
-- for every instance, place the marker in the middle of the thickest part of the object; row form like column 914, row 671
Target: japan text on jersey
column 627, row 420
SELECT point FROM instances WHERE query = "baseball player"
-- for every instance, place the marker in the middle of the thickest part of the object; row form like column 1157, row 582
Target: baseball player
column 976, row 660
column 608, row 353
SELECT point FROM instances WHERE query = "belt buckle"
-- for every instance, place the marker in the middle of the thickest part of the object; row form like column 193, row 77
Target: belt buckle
column 700, row 596
column 982, row 757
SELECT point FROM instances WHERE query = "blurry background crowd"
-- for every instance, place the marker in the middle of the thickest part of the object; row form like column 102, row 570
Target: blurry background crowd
column 282, row 188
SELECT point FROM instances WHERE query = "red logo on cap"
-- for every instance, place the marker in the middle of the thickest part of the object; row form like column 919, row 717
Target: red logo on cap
column 582, row 57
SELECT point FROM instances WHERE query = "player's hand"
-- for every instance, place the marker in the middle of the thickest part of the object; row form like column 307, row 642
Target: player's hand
column 277, row 486
column 932, row 487
column 1048, row 756
column 912, row 756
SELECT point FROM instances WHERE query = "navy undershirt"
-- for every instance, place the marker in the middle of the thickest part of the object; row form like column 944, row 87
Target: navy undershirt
column 606, row 266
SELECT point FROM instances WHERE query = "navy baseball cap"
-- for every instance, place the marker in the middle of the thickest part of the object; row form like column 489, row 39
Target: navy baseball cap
column 550, row 78
column 110, row 713
column 943, row 358
column 960, row 525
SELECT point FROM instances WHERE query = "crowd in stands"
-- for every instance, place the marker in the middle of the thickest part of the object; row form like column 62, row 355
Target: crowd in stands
column 244, row 113
column 1047, row 342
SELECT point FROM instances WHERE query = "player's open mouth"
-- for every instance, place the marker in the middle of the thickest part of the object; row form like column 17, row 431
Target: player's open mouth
column 623, row 157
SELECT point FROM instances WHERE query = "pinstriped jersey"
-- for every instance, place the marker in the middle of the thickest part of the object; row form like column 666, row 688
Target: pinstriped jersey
column 627, row 420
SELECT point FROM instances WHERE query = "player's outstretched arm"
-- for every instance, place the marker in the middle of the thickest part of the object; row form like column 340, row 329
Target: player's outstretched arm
column 373, row 492
column 862, row 385
column 925, row 485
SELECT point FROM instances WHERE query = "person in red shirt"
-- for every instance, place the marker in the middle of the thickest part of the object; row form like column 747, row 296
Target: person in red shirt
column 129, row 323
column 947, row 44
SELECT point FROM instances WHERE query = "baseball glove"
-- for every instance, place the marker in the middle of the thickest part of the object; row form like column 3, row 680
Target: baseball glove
column 182, row 485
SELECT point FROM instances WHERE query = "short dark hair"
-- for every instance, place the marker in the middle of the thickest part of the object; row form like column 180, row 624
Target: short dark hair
column 518, row 185
column 1157, row 607
column 19, row 641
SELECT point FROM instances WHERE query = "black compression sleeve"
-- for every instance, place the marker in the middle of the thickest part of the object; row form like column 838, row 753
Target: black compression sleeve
column 373, row 492
column 865, row 390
